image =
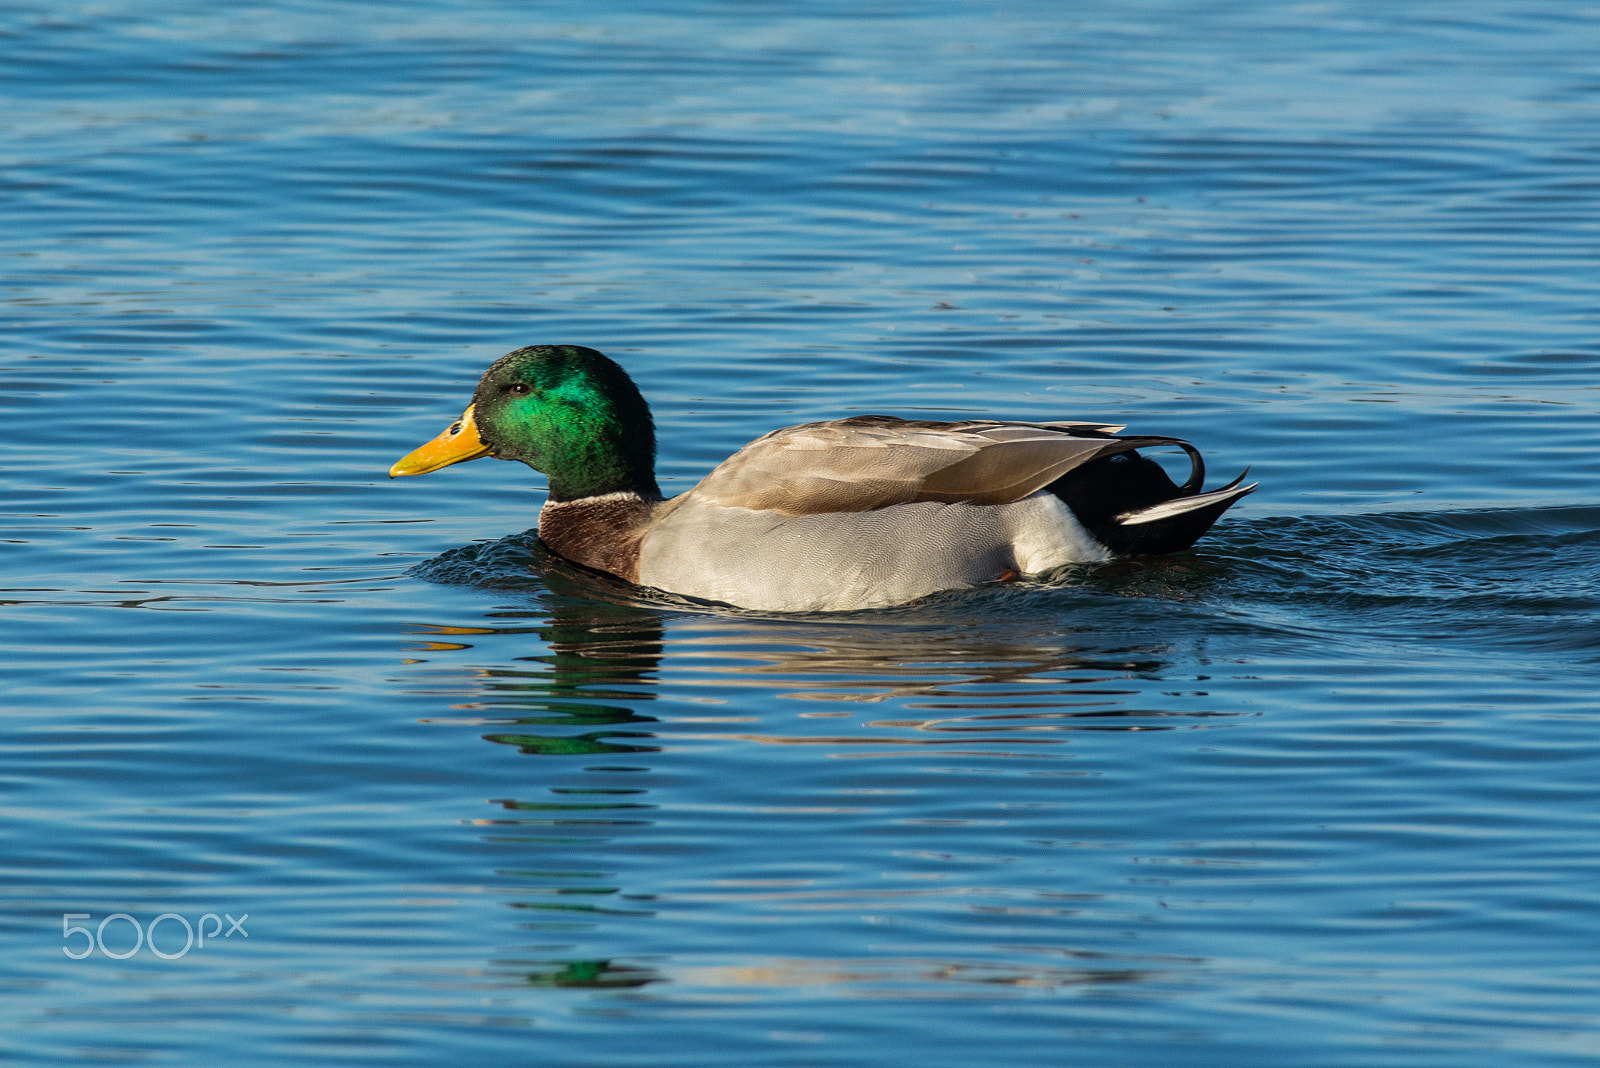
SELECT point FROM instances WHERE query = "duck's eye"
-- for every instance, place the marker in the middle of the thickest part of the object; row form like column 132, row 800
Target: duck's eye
column 520, row 389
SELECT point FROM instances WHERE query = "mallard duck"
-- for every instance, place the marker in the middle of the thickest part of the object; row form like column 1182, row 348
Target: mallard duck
column 853, row 513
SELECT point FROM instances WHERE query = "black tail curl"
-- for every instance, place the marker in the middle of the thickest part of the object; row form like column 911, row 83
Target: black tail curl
column 1130, row 505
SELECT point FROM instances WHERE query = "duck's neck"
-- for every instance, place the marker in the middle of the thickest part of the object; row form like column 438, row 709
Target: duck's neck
column 603, row 460
column 600, row 532
column 575, row 415
column 594, row 442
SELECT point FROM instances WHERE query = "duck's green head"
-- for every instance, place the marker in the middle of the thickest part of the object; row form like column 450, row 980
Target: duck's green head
column 562, row 409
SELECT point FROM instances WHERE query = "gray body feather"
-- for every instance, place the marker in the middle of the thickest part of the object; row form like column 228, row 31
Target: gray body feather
column 843, row 560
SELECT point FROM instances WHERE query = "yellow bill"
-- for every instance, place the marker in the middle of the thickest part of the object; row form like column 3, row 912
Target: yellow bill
column 458, row 443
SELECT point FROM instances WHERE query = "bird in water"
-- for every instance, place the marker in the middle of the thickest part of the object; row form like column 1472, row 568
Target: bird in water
column 852, row 513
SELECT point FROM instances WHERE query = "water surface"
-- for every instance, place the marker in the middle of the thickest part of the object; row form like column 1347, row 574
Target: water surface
column 1321, row 791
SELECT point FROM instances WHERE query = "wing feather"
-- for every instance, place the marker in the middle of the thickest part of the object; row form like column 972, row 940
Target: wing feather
column 870, row 462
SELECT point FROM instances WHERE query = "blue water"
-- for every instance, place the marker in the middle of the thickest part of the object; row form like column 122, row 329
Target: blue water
column 1323, row 791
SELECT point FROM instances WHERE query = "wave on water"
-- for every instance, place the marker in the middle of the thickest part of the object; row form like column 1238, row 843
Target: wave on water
column 1521, row 578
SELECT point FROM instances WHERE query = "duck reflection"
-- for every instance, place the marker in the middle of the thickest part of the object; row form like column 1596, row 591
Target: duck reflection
column 1098, row 969
column 997, row 664
column 598, row 666
column 594, row 657
column 878, row 972
column 591, row 974
column 576, row 669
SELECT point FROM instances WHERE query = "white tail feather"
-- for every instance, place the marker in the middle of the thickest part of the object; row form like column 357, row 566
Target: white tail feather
column 1181, row 505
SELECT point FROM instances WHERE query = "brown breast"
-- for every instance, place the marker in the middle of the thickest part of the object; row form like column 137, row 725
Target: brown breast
column 598, row 532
